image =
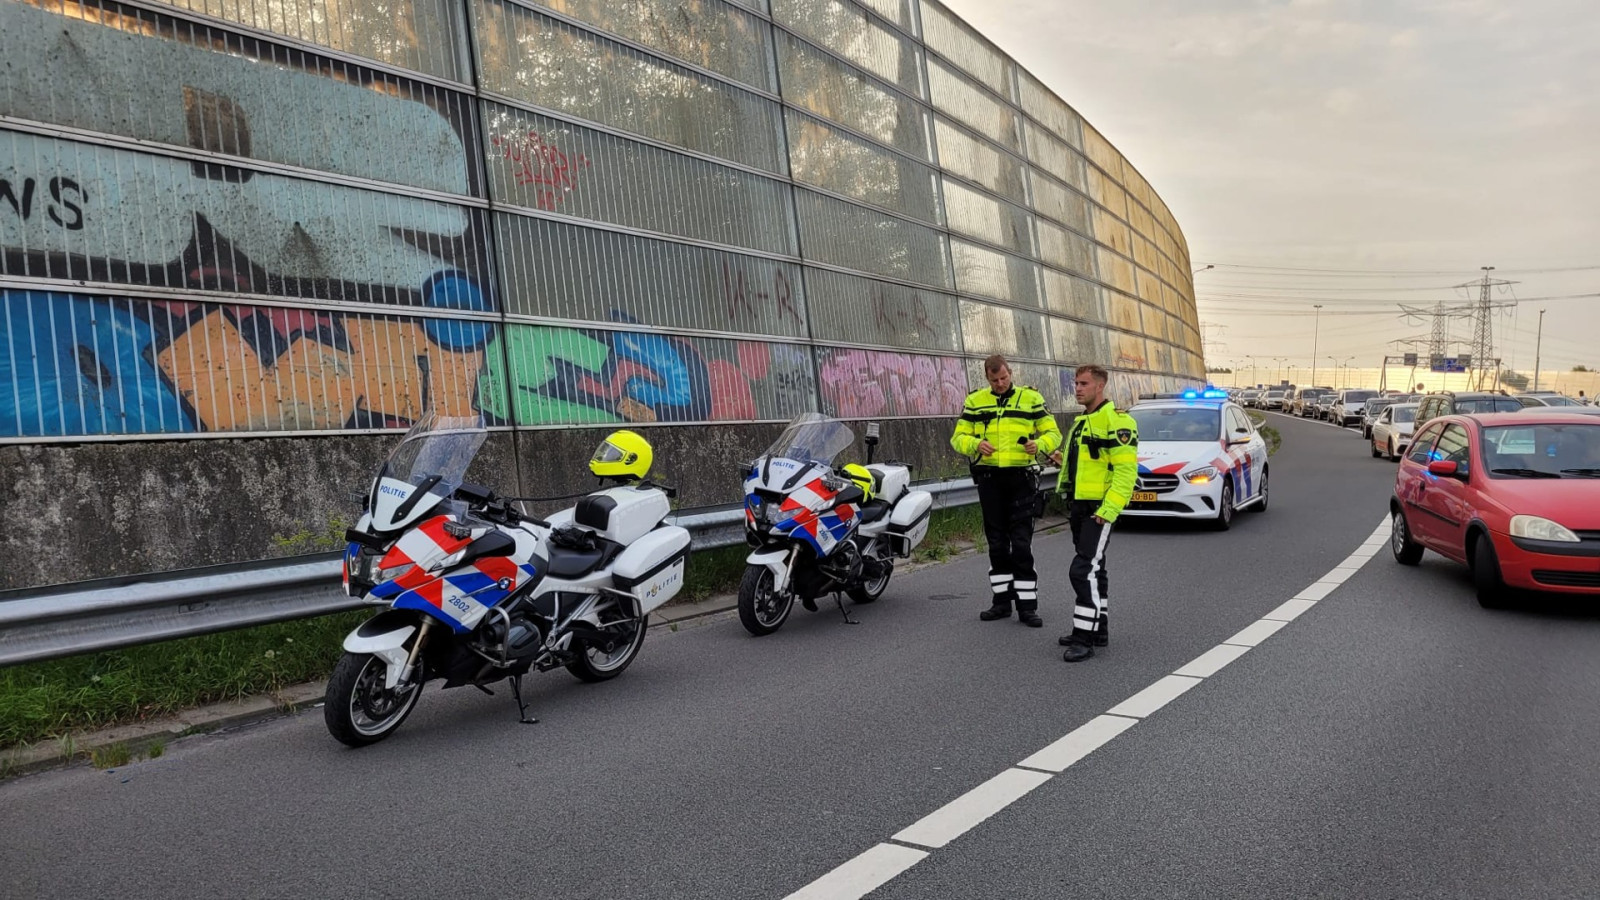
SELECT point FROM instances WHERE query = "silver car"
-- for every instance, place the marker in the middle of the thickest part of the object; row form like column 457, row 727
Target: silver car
column 1391, row 433
column 1348, row 408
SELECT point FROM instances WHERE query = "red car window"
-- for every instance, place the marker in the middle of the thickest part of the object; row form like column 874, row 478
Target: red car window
column 1422, row 445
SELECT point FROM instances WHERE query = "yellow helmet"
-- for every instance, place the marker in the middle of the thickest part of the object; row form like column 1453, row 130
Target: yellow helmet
column 862, row 476
column 623, row 455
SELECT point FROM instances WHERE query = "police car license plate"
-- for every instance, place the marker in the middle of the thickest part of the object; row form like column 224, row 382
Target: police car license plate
column 1144, row 496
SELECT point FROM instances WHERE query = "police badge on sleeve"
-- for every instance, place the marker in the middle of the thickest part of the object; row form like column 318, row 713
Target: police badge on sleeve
column 1124, row 436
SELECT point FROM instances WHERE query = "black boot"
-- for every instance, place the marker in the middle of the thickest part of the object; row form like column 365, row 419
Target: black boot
column 1079, row 646
column 1030, row 618
column 1102, row 634
column 1099, row 639
column 997, row 611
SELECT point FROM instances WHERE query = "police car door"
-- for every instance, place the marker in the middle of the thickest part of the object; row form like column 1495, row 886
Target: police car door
column 1255, row 451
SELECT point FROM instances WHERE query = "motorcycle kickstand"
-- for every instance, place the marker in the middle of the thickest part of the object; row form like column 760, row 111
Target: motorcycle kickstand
column 522, row 708
column 837, row 598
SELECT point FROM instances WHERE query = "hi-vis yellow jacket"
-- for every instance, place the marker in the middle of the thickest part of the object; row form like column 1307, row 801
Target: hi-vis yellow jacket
column 1102, row 459
column 1008, row 422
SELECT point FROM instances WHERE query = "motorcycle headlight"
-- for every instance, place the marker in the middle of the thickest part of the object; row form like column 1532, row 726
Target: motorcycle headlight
column 378, row 575
column 1202, row 475
column 1539, row 529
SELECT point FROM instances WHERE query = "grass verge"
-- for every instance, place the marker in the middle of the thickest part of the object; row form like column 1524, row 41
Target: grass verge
column 49, row 700
column 1272, row 436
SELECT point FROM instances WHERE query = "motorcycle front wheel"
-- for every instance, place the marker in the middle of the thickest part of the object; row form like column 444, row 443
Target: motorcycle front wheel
column 359, row 709
column 762, row 610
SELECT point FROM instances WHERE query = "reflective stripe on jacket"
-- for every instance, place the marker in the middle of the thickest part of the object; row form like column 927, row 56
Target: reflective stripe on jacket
column 1007, row 422
column 1102, row 459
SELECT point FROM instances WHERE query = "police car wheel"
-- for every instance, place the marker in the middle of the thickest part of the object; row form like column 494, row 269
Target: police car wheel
column 1224, row 519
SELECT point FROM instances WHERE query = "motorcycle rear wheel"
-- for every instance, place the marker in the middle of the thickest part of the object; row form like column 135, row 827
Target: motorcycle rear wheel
column 870, row 591
column 357, row 708
column 762, row 610
column 595, row 665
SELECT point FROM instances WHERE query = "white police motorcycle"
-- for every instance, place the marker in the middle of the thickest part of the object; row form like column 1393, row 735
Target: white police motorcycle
column 816, row 530
column 476, row 591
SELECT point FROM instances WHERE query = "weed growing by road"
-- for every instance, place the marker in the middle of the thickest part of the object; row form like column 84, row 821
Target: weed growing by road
column 111, row 756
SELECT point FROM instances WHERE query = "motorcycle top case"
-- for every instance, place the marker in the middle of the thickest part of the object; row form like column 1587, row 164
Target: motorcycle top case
column 893, row 481
column 908, row 522
column 652, row 568
column 620, row 514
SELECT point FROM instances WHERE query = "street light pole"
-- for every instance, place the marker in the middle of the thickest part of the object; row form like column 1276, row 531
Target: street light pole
column 1252, row 369
column 1280, row 360
column 1316, row 328
column 1538, row 346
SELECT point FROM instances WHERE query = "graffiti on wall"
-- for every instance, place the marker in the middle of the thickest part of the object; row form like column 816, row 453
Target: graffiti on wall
column 537, row 163
column 559, row 375
column 84, row 365
column 864, row 383
column 83, row 211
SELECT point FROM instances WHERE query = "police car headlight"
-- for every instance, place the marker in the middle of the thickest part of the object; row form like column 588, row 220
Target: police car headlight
column 1201, row 476
column 1539, row 529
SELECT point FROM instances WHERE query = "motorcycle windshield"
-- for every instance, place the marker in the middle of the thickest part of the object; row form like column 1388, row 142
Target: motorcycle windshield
column 812, row 438
column 432, row 460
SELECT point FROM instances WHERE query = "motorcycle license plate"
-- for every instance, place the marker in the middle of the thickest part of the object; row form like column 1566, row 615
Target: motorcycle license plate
column 1144, row 496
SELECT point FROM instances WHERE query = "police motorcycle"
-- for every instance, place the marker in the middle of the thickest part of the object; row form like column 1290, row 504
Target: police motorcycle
column 816, row 530
column 477, row 592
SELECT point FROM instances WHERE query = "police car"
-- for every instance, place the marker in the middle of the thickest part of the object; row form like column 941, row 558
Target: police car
column 1200, row 457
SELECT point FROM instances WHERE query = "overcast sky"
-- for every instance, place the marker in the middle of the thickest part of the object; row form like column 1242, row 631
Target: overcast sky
column 1433, row 135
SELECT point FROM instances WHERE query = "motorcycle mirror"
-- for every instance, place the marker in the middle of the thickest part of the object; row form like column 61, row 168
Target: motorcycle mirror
column 359, row 497
column 872, row 431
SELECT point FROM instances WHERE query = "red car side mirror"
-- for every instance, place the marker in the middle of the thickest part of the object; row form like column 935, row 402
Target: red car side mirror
column 1445, row 467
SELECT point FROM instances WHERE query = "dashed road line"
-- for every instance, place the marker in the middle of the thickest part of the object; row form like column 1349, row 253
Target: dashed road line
column 883, row 862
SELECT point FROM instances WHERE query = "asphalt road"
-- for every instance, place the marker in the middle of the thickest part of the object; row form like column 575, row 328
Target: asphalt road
column 1394, row 740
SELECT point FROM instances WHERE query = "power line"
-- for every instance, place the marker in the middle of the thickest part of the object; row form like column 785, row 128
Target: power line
column 1307, row 271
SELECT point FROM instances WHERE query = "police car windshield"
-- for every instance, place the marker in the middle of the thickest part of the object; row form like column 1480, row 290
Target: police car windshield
column 1178, row 423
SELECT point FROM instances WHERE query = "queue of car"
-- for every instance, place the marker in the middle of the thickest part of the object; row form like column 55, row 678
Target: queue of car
column 1506, row 484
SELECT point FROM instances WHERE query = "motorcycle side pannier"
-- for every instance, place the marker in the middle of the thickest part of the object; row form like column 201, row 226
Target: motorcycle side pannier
column 652, row 567
column 908, row 522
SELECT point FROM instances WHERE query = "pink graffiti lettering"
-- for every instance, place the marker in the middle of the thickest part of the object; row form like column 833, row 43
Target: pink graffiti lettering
column 863, row 383
column 536, row 162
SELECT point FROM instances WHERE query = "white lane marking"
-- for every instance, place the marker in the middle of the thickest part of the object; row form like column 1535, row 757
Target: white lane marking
column 1336, row 577
column 1290, row 610
column 862, row 875
column 1210, row 662
column 865, row 873
column 1316, row 591
column 1152, row 698
column 1256, row 632
column 1081, row 742
column 955, row 818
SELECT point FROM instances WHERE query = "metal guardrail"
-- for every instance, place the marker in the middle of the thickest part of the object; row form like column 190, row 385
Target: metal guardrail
column 64, row 620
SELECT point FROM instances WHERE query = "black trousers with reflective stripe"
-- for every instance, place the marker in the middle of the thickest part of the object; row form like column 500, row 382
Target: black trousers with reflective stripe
column 1088, row 572
column 1007, row 498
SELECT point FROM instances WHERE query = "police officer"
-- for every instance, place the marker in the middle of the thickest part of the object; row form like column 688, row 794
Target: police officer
column 1002, row 429
column 1101, row 462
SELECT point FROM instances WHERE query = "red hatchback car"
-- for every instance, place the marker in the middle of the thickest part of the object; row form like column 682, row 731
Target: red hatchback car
column 1482, row 490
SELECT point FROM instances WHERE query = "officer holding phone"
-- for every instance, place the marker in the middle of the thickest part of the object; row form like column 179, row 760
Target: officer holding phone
column 1002, row 430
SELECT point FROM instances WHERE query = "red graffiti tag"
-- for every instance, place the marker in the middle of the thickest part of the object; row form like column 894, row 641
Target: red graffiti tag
column 536, row 162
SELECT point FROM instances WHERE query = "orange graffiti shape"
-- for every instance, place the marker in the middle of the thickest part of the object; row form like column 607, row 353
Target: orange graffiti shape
column 312, row 385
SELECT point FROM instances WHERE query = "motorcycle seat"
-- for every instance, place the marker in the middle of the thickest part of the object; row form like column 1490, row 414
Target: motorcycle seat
column 566, row 562
column 873, row 510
